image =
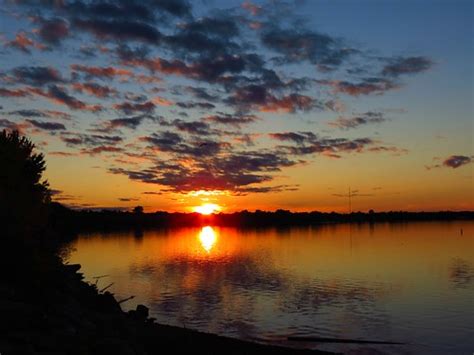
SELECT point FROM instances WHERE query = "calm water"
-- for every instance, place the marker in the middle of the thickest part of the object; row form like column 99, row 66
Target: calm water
column 412, row 283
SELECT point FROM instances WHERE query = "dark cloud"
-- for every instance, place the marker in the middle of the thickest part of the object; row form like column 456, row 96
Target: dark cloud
column 37, row 76
column 369, row 117
column 194, row 127
column 128, row 199
column 310, row 143
column 101, row 149
column 119, row 30
column 53, row 31
column 125, row 122
column 295, row 46
column 81, row 139
column 231, row 120
column 200, row 105
column 406, row 65
column 456, row 161
column 48, row 126
column 95, row 89
column 258, row 97
column 207, row 36
column 14, row 93
column 28, row 113
column 59, row 95
column 101, row 72
column 202, row 94
column 131, row 96
column 296, row 137
column 264, row 189
column 367, row 86
column 231, row 173
column 129, row 108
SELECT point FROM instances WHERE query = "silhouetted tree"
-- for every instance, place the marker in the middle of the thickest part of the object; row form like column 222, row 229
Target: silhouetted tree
column 23, row 194
column 138, row 210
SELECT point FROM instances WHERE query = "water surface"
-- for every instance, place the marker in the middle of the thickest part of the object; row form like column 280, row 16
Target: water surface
column 412, row 283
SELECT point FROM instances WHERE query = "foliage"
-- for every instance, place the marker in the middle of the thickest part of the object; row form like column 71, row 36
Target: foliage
column 23, row 194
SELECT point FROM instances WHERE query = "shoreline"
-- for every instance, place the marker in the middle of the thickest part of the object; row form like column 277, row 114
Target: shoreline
column 48, row 307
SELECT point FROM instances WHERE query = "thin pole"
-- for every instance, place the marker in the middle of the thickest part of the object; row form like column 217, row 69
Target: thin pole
column 350, row 200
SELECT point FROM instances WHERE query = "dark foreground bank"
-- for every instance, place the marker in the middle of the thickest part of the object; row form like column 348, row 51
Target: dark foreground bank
column 47, row 308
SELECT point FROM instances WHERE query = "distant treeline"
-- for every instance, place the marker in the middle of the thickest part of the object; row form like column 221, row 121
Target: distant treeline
column 64, row 218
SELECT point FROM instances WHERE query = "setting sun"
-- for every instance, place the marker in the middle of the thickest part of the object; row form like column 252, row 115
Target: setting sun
column 207, row 208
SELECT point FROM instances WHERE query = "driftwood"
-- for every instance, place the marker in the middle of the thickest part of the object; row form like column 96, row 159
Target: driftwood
column 126, row 299
column 335, row 340
column 106, row 287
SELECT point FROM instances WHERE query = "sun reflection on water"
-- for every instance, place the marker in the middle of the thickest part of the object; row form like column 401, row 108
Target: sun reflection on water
column 207, row 237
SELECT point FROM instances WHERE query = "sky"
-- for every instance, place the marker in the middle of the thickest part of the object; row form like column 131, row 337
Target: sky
column 172, row 104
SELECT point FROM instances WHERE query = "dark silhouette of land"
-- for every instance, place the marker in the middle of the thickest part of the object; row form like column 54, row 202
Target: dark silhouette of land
column 72, row 220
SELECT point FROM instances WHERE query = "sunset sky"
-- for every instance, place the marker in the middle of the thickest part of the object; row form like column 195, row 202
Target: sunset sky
column 171, row 104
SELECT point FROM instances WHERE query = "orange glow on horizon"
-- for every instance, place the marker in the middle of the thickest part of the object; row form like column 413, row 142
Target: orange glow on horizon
column 207, row 208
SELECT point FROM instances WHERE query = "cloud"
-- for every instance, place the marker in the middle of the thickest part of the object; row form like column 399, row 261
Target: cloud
column 455, row 161
column 296, row 137
column 37, row 76
column 194, row 127
column 231, row 173
column 129, row 108
column 231, row 120
column 258, row 97
column 200, row 105
column 367, row 86
column 125, row 122
column 101, row 72
column 53, row 31
column 119, row 30
column 82, row 139
column 41, row 113
column 101, row 149
column 128, row 199
column 310, row 143
column 59, row 95
column 251, row 8
column 206, row 37
column 304, row 45
column 202, row 94
column 14, row 93
column 95, row 89
column 406, row 65
column 23, row 43
column 48, row 126
column 369, row 117
column 29, row 113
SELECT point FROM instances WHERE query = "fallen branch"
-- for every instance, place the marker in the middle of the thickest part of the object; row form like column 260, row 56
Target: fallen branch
column 106, row 287
column 126, row 299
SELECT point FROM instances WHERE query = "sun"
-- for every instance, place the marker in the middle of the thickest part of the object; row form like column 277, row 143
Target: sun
column 207, row 208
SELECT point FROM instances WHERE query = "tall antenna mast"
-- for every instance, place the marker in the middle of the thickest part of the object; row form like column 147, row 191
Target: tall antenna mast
column 350, row 201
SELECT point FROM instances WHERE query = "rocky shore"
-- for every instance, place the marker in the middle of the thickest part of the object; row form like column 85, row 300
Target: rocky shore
column 47, row 308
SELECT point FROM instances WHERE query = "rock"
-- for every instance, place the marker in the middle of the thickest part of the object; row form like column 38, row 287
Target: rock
column 142, row 311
